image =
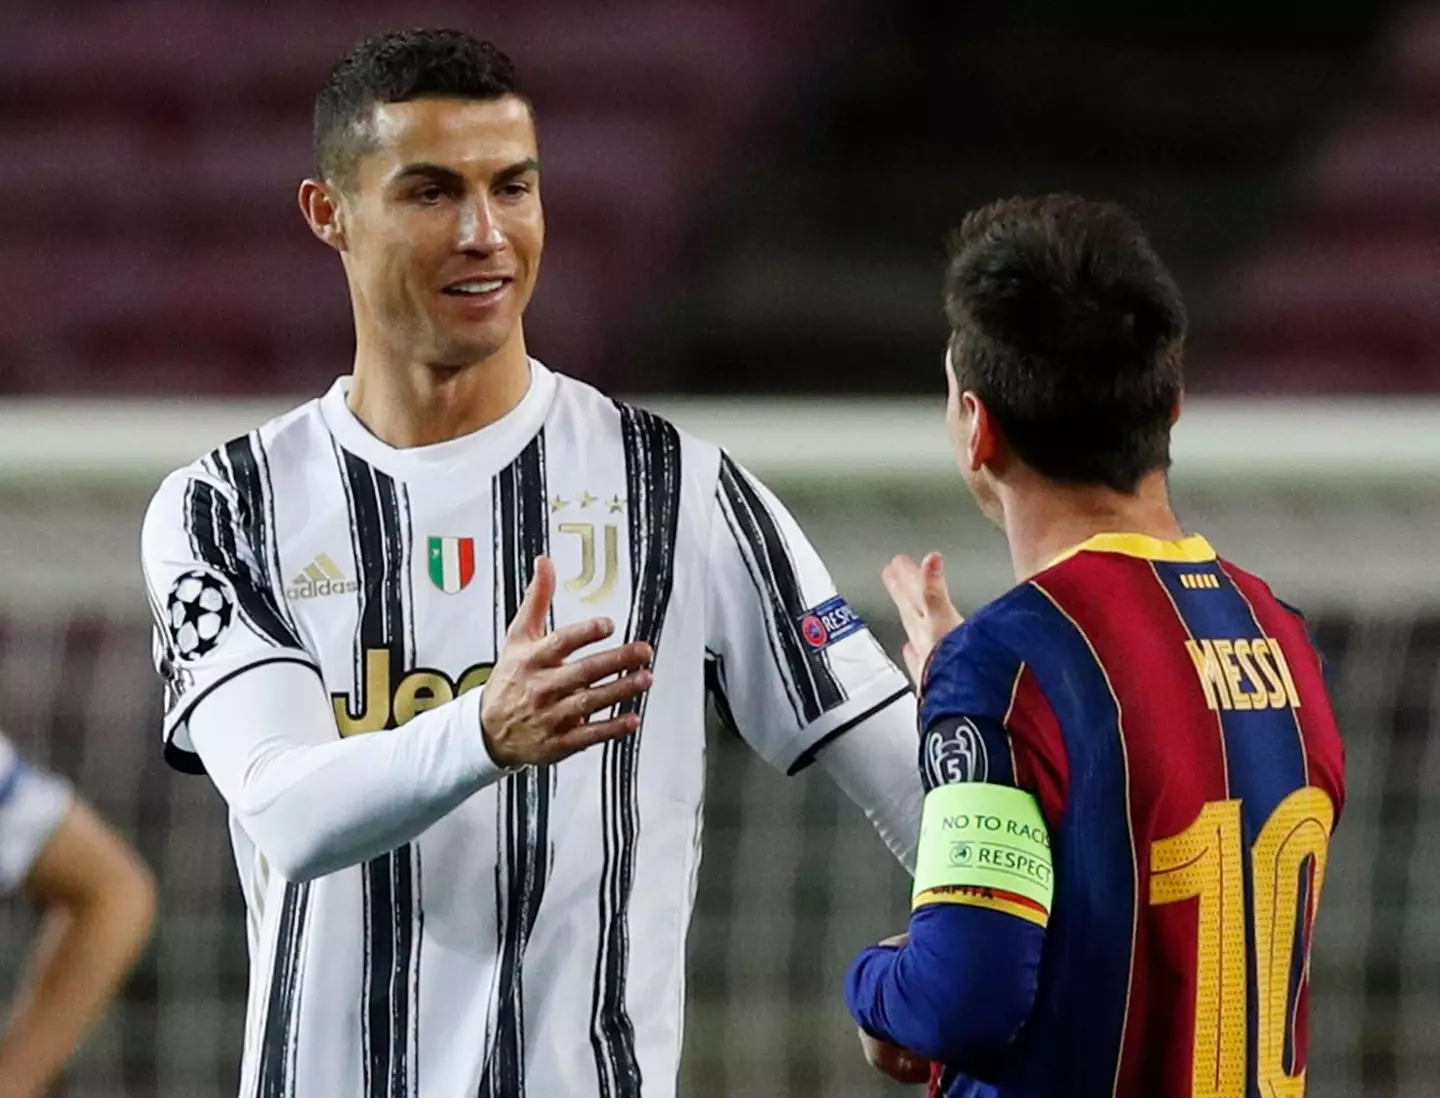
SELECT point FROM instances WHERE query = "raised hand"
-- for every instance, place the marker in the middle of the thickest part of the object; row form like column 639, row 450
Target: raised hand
column 536, row 707
column 921, row 595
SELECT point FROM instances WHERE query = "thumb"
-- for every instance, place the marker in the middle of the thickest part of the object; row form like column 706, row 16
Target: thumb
column 530, row 620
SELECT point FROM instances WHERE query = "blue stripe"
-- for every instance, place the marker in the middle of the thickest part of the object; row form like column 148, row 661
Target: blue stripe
column 11, row 781
column 971, row 677
column 1086, row 979
column 1263, row 752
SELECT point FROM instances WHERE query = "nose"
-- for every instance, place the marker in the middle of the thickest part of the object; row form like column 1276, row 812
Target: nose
column 479, row 229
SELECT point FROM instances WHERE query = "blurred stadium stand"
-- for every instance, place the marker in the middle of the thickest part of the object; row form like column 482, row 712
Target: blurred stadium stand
column 1344, row 294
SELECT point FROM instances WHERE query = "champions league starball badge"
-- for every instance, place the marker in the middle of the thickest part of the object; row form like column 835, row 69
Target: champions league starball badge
column 199, row 613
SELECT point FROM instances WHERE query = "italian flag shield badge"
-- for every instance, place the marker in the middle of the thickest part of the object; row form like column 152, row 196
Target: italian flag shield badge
column 452, row 563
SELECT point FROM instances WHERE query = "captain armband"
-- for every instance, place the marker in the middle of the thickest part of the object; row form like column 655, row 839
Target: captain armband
column 985, row 846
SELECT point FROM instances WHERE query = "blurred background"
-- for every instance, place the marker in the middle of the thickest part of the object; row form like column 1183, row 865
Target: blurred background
column 747, row 205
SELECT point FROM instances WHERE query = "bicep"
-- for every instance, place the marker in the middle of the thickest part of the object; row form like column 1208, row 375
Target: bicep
column 83, row 859
column 792, row 662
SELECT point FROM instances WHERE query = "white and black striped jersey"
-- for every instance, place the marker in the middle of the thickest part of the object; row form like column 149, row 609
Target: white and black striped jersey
column 33, row 804
column 532, row 941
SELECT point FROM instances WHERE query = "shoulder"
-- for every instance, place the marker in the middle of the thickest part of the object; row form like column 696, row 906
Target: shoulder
column 642, row 432
column 226, row 473
column 977, row 664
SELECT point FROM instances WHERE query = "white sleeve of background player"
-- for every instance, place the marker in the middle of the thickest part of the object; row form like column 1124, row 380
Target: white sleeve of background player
column 313, row 803
column 790, row 663
column 33, row 805
column 216, row 612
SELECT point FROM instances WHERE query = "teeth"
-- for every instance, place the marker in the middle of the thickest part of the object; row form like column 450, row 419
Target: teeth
column 478, row 287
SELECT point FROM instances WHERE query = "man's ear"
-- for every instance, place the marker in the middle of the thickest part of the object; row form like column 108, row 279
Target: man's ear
column 985, row 439
column 324, row 212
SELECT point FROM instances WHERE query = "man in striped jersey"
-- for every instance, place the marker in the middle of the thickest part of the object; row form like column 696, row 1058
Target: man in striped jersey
column 453, row 908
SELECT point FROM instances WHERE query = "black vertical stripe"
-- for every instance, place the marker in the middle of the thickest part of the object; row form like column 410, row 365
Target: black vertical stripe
column 653, row 482
column 718, row 690
column 809, row 672
column 216, row 531
column 211, row 524
column 275, row 1077
column 521, row 535
column 391, row 901
column 249, row 472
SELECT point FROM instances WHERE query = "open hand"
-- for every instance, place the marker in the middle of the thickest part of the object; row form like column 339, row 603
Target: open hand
column 921, row 595
column 536, row 707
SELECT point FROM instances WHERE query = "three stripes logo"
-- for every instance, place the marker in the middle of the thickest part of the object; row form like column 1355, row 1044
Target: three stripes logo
column 321, row 577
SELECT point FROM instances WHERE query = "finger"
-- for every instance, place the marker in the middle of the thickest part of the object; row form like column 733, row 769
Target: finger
column 568, row 639
column 906, row 584
column 534, row 612
column 910, row 607
column 588, row 735
column 913, row 663
column 581, row 673
column 936, row 590
column 582, row 703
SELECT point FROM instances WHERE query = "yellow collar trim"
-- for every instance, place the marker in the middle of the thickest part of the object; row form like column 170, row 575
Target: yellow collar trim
column 1192, row 550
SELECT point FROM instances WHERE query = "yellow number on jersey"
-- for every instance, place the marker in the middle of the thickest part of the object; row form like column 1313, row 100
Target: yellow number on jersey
column 1204, row 862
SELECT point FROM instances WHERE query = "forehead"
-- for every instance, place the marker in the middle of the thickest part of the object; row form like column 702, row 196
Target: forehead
column 469, row 136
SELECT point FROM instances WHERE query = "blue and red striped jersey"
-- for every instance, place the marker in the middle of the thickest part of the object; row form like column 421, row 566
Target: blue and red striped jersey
column 1172, row 719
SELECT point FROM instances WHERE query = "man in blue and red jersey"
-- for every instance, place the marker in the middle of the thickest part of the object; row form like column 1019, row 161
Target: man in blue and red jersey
column 1131, row 760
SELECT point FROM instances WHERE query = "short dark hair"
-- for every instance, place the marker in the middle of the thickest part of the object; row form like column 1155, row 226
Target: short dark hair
column 1067, row 325
column 394, row 68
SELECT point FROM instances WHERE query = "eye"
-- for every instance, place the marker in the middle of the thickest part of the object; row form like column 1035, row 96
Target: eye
column 429, row 195
column 515, row 189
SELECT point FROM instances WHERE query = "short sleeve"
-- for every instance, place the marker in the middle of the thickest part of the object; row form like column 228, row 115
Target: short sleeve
column 33, row 805
column 216, row 614
column 985, row 718
column 790, row 663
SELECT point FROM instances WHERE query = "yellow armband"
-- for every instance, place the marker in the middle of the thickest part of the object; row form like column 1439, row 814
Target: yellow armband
column 987, row 846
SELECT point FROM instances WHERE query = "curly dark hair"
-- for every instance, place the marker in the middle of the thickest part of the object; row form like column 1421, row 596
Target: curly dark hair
column 393, row 68
column 1067, row 325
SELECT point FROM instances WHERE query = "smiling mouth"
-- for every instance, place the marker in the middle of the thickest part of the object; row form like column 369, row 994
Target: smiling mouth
column 477, row 287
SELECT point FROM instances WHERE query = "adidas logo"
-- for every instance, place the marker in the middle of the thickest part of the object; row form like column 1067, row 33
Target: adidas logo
column 321, row 577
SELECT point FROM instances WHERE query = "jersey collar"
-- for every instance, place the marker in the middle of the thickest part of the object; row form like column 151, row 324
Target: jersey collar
column 1191, row 550
column 492, row 447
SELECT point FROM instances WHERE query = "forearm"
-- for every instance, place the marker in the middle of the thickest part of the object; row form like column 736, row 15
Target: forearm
column 314, row 803
column 957, row 992
column 80, row 958
column 874, row 764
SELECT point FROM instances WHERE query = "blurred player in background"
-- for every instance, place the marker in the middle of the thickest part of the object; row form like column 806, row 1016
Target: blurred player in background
column 98, row 905
column 1131, row 760
column 475, row 903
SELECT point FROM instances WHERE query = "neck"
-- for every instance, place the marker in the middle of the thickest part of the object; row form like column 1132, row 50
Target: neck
column 406, row 403
column 1043, row 519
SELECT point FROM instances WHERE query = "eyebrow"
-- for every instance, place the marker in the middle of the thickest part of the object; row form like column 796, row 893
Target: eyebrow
column 516, row 170
column 449, row 177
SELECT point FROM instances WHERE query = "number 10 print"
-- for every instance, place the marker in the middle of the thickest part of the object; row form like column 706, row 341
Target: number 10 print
column 1205, row 863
